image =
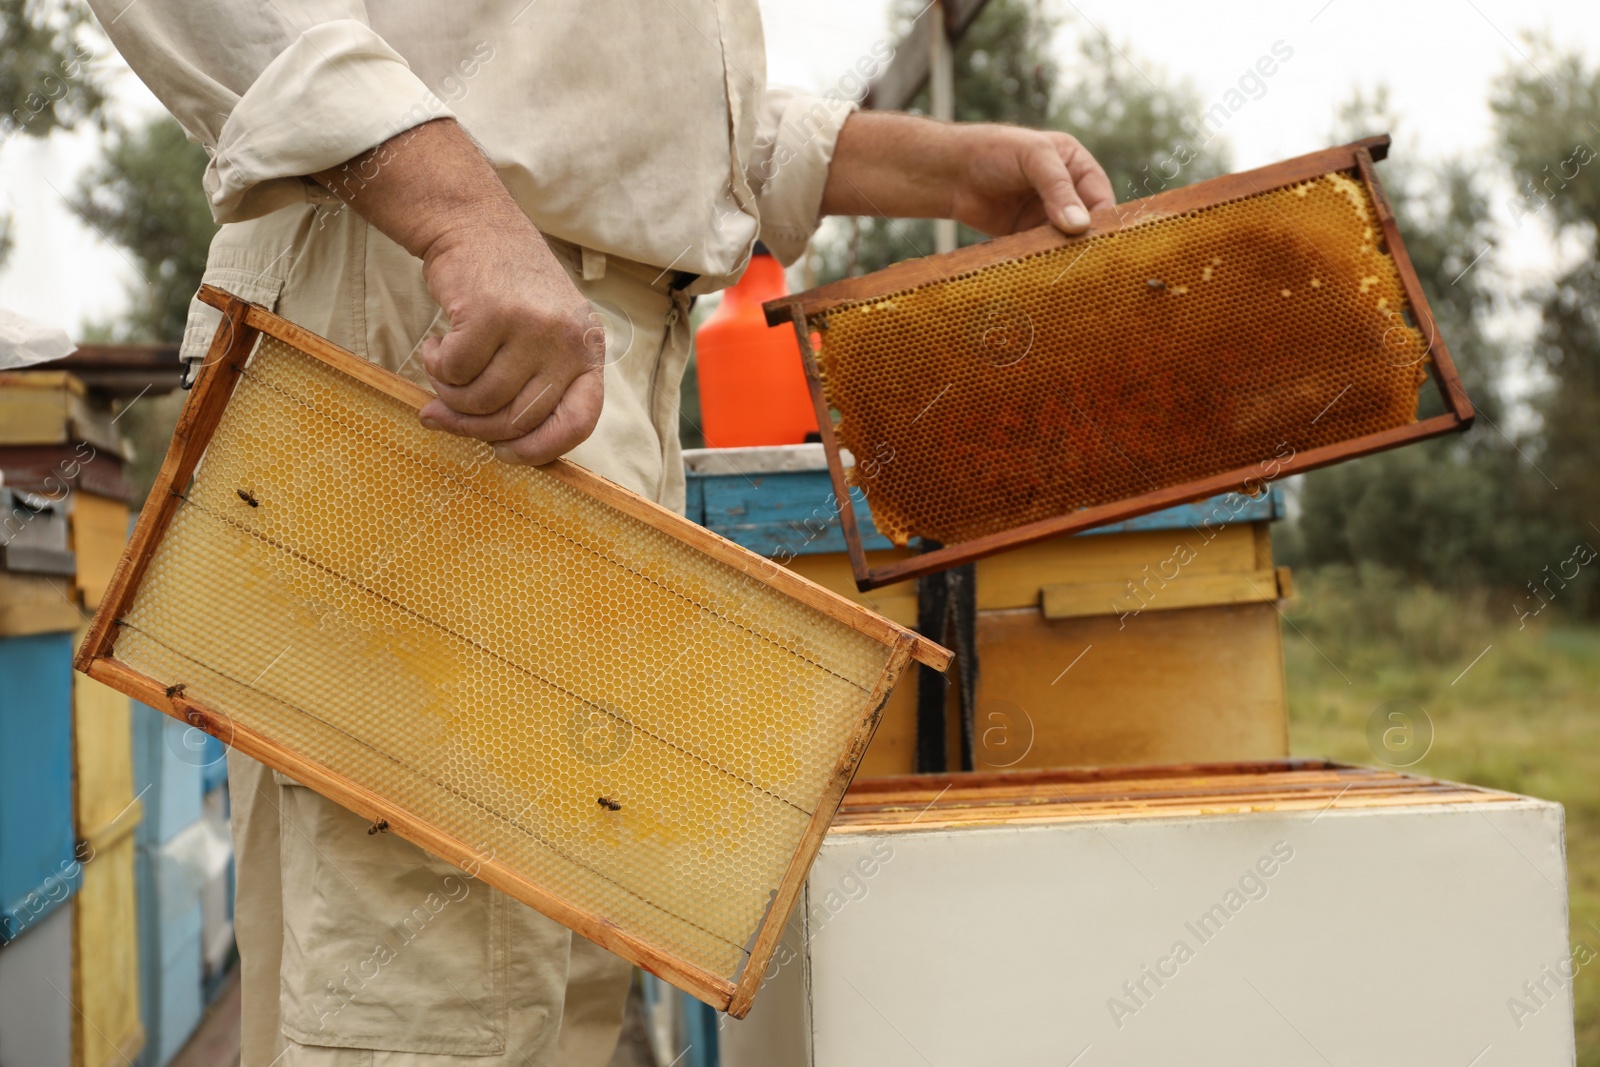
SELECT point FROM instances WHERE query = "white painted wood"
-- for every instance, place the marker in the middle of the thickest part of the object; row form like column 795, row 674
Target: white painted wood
column 1398, row 936
column 35, row 992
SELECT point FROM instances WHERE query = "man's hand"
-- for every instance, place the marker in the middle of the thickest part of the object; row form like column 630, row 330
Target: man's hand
column 996, row 179
column 522, row 364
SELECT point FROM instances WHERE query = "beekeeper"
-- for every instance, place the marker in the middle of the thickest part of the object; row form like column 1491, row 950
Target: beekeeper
column 511, row 203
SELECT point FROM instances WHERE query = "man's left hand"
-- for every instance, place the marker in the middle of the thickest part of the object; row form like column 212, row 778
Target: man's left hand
column 997, row 179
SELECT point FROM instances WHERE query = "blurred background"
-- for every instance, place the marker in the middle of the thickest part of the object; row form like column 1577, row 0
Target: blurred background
column 1460, row 575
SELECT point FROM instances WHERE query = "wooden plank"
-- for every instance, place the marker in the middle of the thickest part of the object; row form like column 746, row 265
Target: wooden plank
column 123, row 824
column 51, row 407
column 99, row 529
column 107, row 1024
column 1131, row 596
column 794, row 879
column 927, row 785
column 830, row 448
column 907, row 73
column 895, row 602
column 629, row 503
column 1014, row 579
column 369, row 805
column 33, row 412
column 218, row 375
column 102, row 752
column 1083, row 519
column 908, row 274
column 36, row 604
column 1163, row 687
column 936, row 821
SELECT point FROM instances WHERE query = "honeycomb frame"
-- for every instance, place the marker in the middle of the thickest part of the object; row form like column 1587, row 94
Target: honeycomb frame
column 594, row 705
column 1005, row 463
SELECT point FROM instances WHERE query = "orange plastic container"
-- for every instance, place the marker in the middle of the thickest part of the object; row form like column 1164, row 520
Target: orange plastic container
column 752, row 387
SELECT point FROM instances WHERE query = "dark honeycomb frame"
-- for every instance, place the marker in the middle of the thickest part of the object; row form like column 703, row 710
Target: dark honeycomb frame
column 808, row 311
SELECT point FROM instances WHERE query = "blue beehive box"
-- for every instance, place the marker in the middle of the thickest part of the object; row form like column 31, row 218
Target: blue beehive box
column 37, row 869
column 171, row 762
column 779, row 501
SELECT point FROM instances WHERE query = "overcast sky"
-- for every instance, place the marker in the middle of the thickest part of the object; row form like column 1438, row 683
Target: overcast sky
column 1437, row 56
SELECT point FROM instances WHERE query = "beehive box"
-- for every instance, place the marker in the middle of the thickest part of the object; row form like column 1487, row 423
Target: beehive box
column 1195, row 342
column 1067, row 628
column 1285, row 913
column 598, row 707
column 108, row 1027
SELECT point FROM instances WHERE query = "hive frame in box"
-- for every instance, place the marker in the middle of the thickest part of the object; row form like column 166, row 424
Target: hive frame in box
column 231, row 348
column 804, row 309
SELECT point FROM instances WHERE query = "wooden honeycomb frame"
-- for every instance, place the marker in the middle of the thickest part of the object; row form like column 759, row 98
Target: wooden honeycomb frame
column 809, row 312
column 233, row 357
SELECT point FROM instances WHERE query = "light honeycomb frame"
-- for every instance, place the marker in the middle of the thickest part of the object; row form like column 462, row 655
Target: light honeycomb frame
column 677, row 836
column 896, row 350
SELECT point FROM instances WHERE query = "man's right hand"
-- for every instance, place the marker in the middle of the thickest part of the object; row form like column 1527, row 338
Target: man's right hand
column 521, row 366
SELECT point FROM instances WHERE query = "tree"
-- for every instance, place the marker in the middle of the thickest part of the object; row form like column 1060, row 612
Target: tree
column 46, row 80
column 1139, row 125
column 1459, row 512
column 146, row 195
column 1545, row 114
column 1006, row 71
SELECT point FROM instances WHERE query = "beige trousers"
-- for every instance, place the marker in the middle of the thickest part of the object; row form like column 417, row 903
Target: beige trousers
column 358, row 948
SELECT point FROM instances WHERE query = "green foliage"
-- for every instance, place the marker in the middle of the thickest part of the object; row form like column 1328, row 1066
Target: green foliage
column 146, row 196
column 1005, row 71
column 1545, row 111
column 46, row 80
column 1139, row 130
column 1355, row 613
column 1458, row 513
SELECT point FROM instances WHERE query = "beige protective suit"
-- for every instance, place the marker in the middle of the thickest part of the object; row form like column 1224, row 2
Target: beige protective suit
column 642, row 140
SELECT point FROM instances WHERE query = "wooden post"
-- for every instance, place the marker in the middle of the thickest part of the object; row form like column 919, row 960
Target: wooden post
column 942, row 100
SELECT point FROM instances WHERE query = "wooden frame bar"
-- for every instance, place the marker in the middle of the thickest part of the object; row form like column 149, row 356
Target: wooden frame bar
column 808, row 311
column 242, row 324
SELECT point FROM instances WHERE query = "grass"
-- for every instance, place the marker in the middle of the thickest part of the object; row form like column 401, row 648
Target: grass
column 1524, row 717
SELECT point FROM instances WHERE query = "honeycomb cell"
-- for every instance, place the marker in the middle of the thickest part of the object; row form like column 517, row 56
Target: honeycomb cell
column 496, row 651
column 1179, row 347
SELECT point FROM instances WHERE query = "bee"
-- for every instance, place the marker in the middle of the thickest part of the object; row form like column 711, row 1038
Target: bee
column 249, row 498
column 609, row 804
column 379, row 827
column 174, row 690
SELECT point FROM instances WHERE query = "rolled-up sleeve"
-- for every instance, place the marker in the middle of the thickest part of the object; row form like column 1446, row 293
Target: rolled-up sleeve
column 795, row 135
column 274, row 91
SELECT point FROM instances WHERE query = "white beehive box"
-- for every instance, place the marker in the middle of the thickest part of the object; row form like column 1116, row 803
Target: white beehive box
column 1403, row 921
